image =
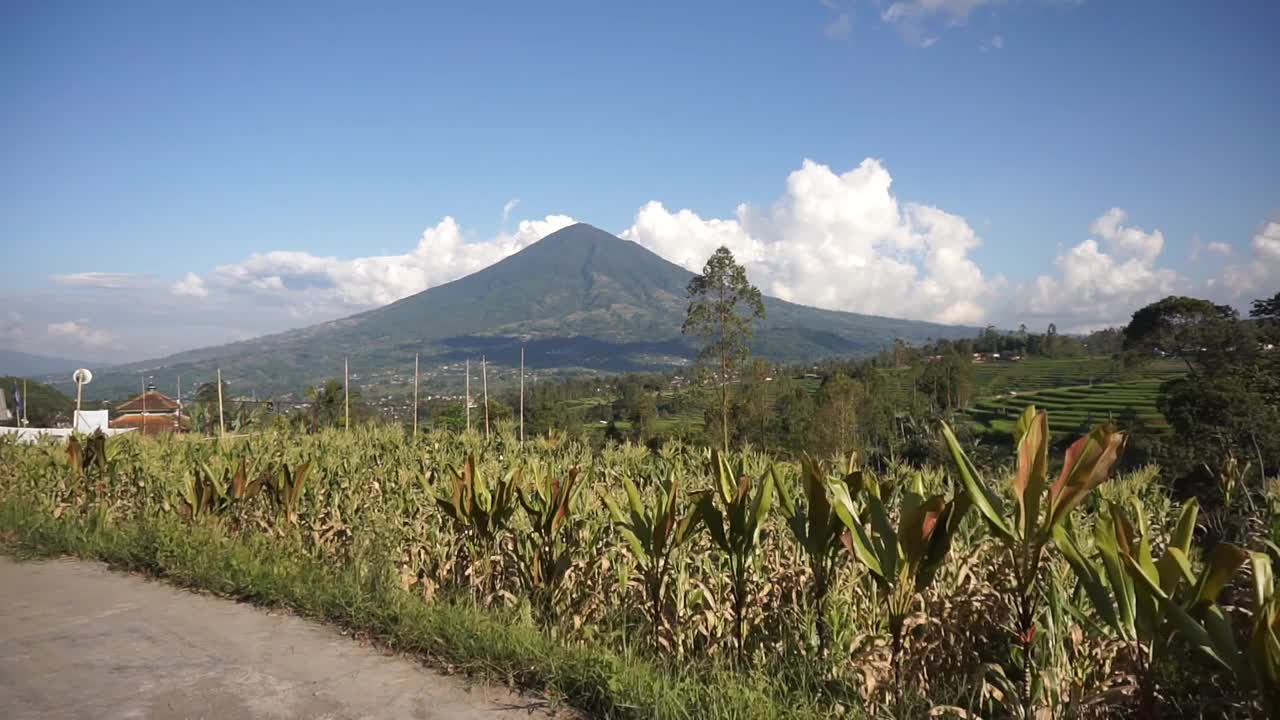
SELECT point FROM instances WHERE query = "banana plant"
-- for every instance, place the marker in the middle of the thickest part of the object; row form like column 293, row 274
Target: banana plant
column 653, row 532
column 1040, row 507
column 734, row 517
column 1207, row 627
column 817, row 526
column 546, row 551
column 1126, row 605
column 903, row 561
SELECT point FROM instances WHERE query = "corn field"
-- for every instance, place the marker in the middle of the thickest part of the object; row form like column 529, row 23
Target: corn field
column 1044, row 588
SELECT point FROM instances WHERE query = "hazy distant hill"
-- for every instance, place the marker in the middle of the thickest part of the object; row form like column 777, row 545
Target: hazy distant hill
column 578, row 298
column 23, row 364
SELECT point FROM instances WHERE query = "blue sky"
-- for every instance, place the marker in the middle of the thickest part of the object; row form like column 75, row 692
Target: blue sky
column 156, row 155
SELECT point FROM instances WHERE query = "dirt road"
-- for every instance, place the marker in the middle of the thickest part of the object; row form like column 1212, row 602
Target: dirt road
column 80, row 641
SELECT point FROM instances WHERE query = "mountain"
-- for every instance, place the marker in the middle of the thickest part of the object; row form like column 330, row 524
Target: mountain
column 23, row 364
column 580, row 298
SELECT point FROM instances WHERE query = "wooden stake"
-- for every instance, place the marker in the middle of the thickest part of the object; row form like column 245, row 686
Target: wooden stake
column 467, row 402
column 484, row 378
column 415, row 394
column 522, row 394
column 222, row 425
column 346, row 394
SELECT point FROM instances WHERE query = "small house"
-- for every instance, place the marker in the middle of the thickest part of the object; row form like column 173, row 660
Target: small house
column 151, row 412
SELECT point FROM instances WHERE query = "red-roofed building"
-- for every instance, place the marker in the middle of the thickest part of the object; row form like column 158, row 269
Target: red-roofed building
column 151, row 412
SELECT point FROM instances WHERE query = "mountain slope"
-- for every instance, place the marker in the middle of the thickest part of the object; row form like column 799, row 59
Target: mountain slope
column 578, row 298
column 13, row 362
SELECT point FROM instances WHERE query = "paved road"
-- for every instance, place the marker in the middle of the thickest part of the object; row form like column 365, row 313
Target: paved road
column 80, row 641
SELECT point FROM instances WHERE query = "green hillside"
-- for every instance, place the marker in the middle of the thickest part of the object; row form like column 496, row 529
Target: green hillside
column 580, row 298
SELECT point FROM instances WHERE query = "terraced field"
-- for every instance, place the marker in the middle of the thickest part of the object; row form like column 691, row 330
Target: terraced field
column 1076, row 407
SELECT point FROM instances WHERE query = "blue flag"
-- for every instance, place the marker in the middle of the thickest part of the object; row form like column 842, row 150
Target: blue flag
column 18, row 400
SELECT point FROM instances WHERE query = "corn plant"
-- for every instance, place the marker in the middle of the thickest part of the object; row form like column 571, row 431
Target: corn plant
column 904, row 560
column 1040, row 508
column 285, row 484
column 1126, row 605
column 653, row 532
column 818, row 529
column 545, row 553
column 481, row 513
column 734, row 518
column 1207, row 627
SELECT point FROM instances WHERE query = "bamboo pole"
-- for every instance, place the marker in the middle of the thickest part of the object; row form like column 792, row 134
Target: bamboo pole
column 144, row 405
column 26, row 403
column 415, row 394
column 522, row 394
column 346, row 394
column 484, row 377
column 467, row 403
column 222, row 425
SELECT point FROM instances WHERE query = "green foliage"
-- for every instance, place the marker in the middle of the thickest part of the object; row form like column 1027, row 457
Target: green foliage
column 734, row 518
column 1040, row 509
column 545, row 552
column 46, row 406
column 722, row 306
column 520, row 532
column 653, row 531
column 818, row 527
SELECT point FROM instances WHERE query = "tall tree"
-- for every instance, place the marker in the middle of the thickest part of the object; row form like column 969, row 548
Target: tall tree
column 722, row 306
column 1188, row 328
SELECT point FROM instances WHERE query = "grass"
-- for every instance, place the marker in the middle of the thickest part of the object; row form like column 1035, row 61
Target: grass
column 497, row 646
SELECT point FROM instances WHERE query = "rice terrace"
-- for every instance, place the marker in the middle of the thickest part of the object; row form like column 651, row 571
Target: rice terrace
column 904, row 360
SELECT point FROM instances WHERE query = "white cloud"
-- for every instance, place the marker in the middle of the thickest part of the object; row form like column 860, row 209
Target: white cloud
column 507, row 207
column 1219, row 248
column 190, row 285
column 319, row 285
column 919, row 22
column 79, row 333
column 110, row 280
column 953, row 11
column 837, row 241
column 1261, row 275
column 1101, row 281
column 1126, row 240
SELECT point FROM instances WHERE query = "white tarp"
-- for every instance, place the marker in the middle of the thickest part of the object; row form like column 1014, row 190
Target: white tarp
column 30, row 434
column 5, row 414
column 89, row 420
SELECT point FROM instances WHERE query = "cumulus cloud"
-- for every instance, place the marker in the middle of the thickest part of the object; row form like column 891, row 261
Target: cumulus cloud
column 108, row 280
column 80, row 333
column 1125, row 239
column 1102, row 280
column 190, row 285
column 837, row 241
column 1261, row 275
column 319, row 284
column 1219, row 248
